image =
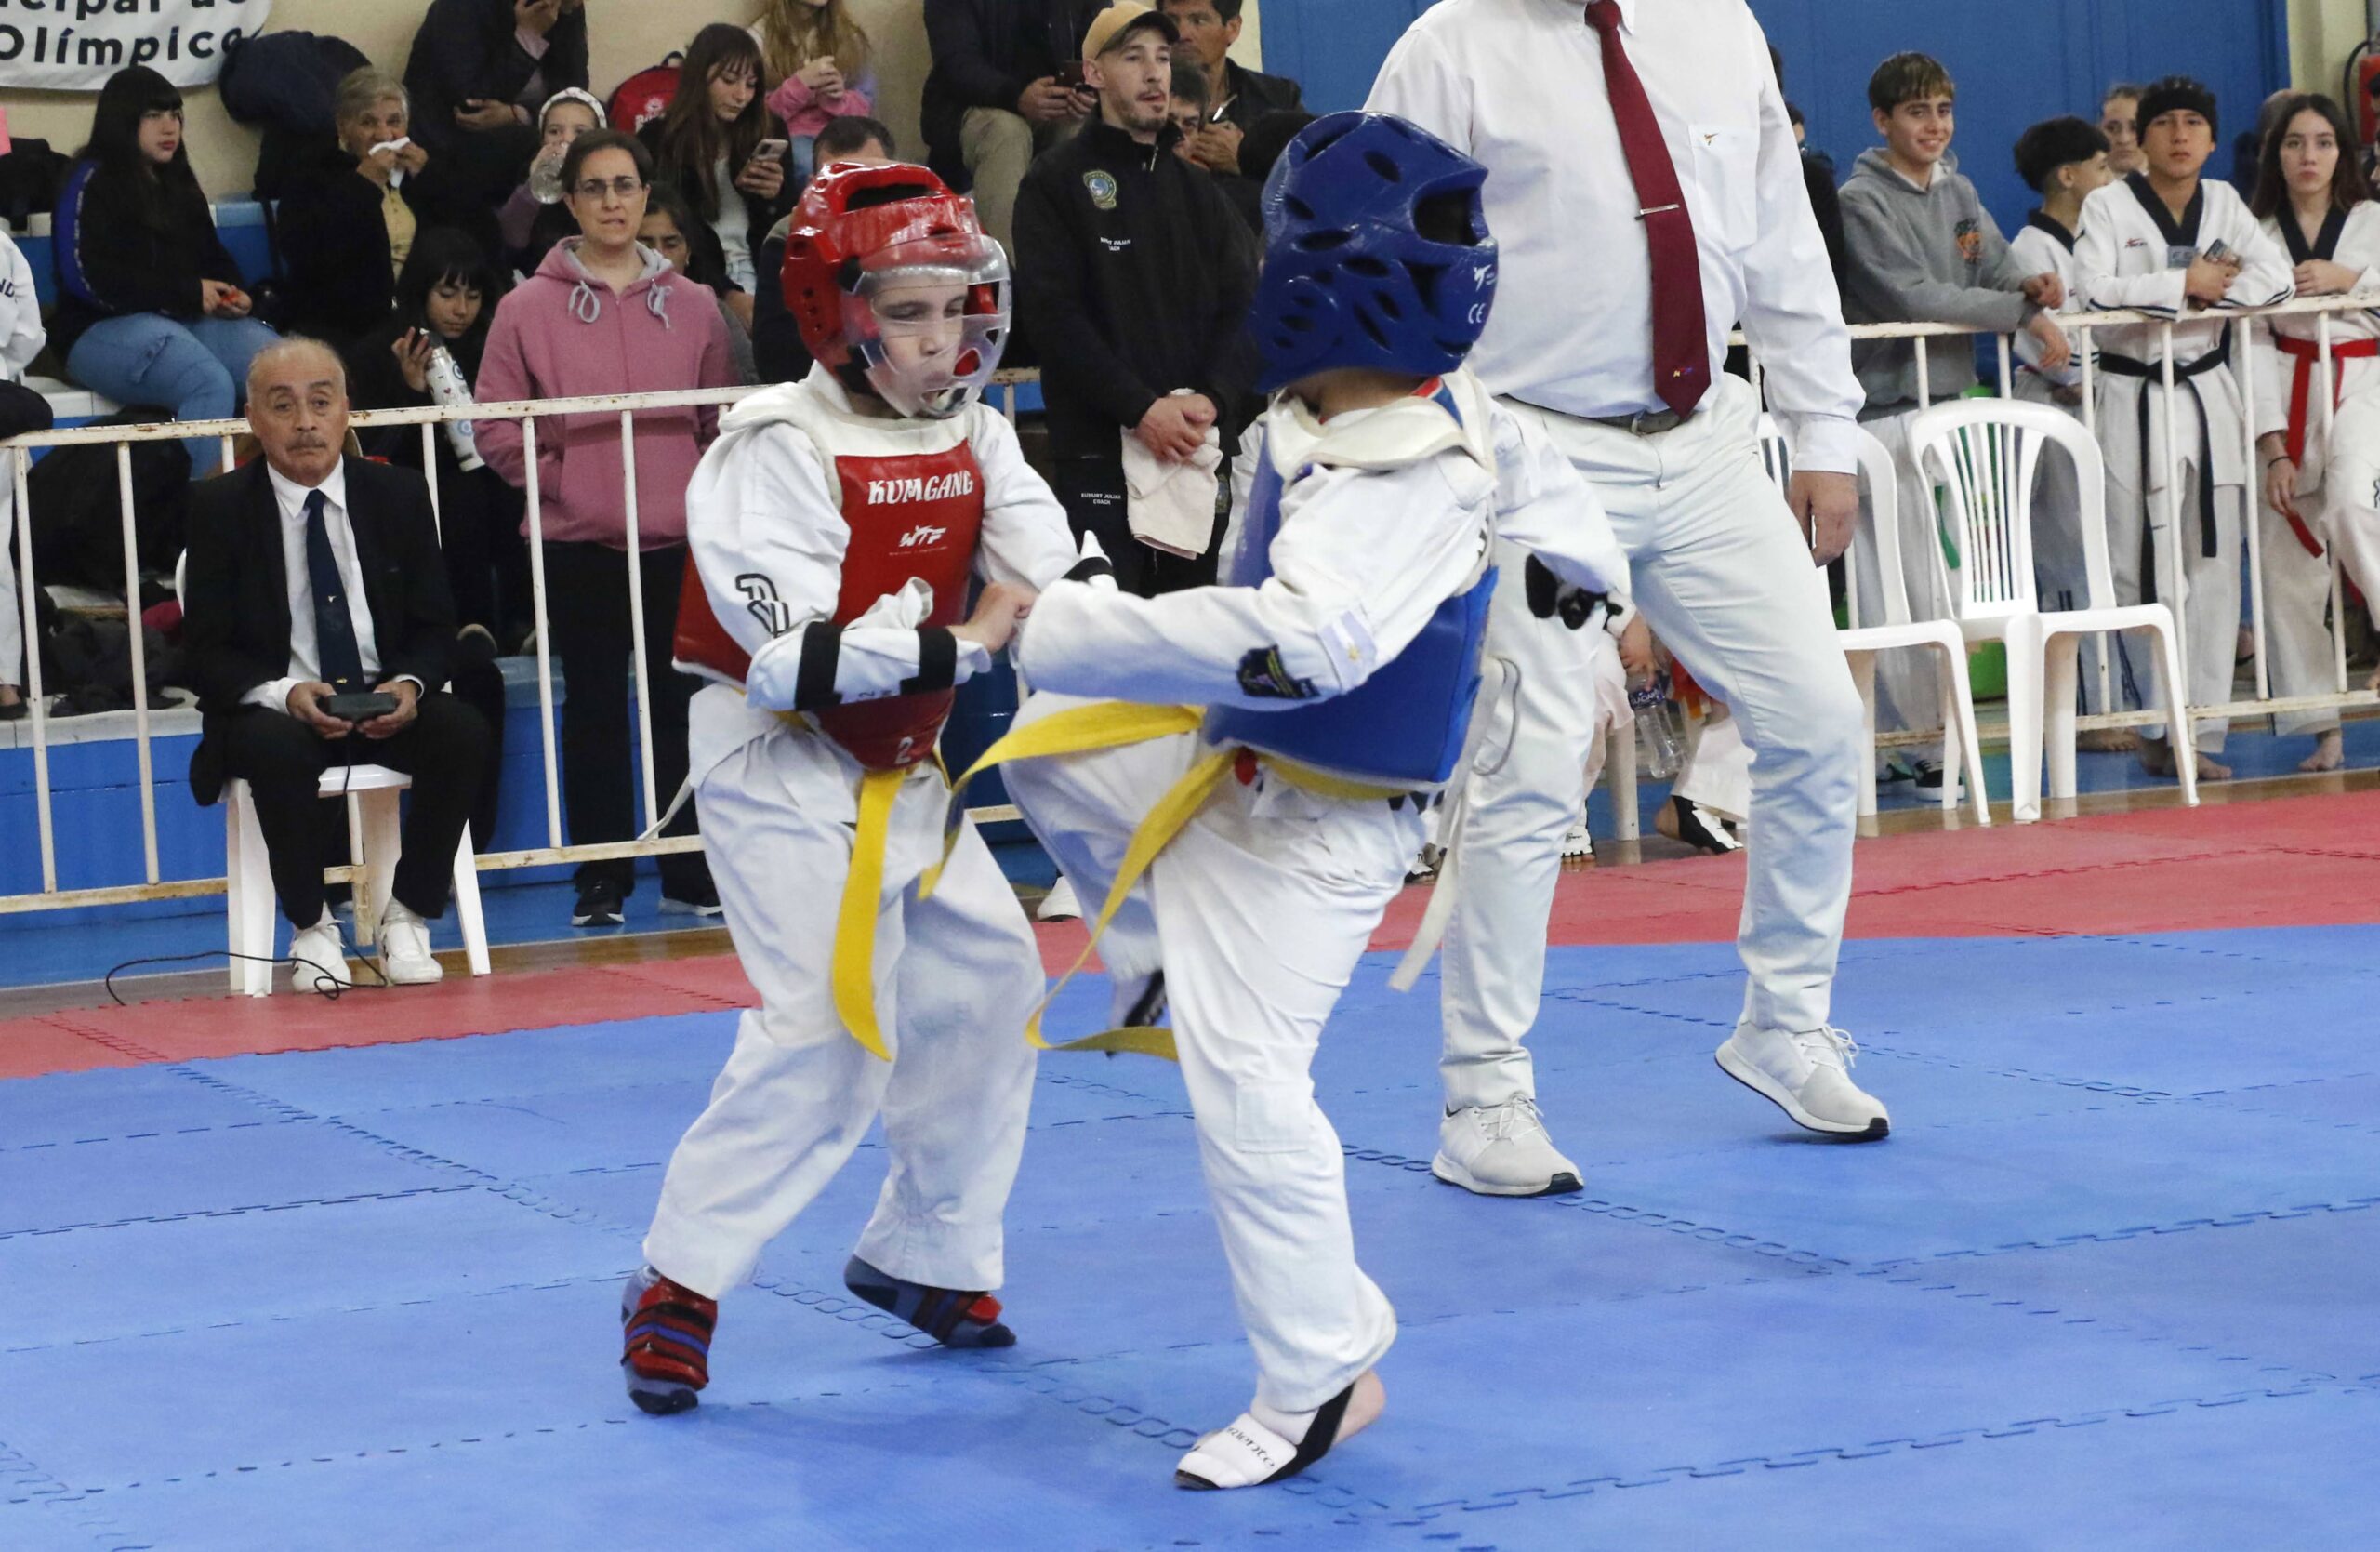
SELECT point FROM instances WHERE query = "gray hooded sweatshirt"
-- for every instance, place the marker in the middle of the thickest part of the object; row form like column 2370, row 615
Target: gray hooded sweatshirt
column 1923, row 256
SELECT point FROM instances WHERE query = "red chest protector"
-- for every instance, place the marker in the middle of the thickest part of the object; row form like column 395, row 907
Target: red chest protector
column 910, row 515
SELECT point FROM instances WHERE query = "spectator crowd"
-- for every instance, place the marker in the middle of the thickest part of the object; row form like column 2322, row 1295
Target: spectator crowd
column 482, row 225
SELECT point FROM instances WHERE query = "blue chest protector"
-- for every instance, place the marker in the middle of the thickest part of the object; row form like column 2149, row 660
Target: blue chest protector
column 1404, row 726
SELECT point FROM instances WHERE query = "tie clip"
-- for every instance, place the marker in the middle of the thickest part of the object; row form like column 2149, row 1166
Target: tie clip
column 1658, row 210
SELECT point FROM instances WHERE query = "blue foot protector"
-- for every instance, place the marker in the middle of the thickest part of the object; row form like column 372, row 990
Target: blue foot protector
column 950, row 1317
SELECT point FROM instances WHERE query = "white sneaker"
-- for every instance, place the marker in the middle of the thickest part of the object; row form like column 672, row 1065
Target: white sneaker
column 1807, row 1076
column 406, row 959
column 318, row 957
column 1060, row 904
column 1502, row 1151
column 1577, row 846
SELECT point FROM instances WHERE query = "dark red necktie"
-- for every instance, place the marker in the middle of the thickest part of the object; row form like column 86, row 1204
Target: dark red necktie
column 1681, row 340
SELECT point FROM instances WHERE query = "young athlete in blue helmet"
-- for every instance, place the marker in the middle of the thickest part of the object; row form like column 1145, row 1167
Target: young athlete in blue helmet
column 1242, row 771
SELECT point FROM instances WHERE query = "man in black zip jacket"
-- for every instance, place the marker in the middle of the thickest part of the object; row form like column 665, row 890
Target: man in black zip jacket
column 1134, row 280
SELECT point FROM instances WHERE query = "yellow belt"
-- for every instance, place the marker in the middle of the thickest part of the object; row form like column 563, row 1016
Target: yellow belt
column 1118, row 724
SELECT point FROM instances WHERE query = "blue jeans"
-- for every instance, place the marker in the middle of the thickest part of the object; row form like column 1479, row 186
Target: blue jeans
column 198, row 370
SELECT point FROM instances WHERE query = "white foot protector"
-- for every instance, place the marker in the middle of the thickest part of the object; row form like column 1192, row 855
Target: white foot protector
column 1060, row 904
column 1256, row 1448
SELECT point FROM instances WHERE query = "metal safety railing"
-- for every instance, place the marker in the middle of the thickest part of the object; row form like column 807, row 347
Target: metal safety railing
column 626, row 407
column 19, row 451
column 2245, row 340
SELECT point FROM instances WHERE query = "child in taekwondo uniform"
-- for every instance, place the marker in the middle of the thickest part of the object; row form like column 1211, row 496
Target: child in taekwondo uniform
column 2180, row 247
column 834, row 528
column 1289, row 729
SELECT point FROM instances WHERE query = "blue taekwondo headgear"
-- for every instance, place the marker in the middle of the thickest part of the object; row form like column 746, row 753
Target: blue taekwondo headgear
column 1376, row 252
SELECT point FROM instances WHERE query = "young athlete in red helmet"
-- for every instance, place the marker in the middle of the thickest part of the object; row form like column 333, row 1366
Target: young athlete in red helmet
column 835, row 528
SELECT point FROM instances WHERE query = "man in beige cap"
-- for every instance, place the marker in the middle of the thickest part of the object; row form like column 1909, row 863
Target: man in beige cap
column 1134, row 276
column 1007, row 83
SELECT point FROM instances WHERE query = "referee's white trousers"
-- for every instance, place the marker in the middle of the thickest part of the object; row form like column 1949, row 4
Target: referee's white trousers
column 956, row 976
column 1724, row 577
column 1259, row 910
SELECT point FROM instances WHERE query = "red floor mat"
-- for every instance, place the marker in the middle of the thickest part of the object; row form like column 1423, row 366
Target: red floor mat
column 2293, row 862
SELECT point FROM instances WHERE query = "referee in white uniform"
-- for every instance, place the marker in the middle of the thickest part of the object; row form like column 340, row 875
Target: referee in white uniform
column 1646, row 194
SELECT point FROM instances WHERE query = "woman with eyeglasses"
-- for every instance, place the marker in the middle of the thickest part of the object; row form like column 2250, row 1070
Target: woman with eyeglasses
column 604, row 315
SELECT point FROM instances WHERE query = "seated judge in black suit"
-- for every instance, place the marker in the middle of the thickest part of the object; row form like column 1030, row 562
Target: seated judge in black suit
column 310, row 573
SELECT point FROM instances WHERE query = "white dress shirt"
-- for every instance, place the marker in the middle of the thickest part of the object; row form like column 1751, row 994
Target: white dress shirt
column 305, row 657
column 1518, row 85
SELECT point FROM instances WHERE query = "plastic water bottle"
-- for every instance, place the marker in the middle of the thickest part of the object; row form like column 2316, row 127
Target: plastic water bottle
column 1658, row 750
column 448, row 390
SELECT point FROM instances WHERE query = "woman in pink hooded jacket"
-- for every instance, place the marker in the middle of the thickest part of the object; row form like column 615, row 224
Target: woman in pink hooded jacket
column 604, row 314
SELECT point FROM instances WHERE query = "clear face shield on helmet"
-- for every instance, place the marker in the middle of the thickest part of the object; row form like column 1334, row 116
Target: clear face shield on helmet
column 928, row 321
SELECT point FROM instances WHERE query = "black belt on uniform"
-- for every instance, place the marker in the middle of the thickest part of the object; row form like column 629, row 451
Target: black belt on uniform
column 2125, row 366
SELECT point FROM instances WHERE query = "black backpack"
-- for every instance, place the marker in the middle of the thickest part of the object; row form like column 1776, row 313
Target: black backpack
column 287, row 84
column 78, row 536
column 87, row 663
column 30, row 177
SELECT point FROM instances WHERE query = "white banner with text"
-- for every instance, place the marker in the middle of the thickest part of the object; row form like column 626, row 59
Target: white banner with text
column 74, row 46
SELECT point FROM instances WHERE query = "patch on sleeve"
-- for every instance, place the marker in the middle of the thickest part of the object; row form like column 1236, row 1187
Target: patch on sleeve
column 1352, row 655
column 1263, row 676
column 761, row 597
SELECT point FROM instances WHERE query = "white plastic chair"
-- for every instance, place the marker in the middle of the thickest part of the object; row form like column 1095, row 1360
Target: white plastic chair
column 373, row 828
column 1862, row 640
column 1986, row 452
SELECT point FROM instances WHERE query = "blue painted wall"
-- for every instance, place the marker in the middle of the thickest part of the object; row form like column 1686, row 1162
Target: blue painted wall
column 2015, row 60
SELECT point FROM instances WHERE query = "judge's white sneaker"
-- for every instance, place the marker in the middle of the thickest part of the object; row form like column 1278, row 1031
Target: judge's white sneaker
column 406, row 959
column 1808, row 1075
column 1502, row 1151
column 1060, row 904
column 318, row 957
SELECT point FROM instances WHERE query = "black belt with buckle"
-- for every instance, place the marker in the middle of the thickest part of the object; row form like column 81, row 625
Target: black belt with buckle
column 1644, row 422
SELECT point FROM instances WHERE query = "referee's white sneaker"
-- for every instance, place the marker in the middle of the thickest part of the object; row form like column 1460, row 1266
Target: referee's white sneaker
column 1808, row 1075
column 1502, row 1151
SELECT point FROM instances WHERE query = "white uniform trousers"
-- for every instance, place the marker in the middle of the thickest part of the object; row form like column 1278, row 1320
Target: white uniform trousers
column 1909, row 685
column 2060, row 576
column 2350, row 501
column 2299, row 658
column 1724, row 577
column 1261, row 908
column 2210, row 621
column 1717, row 773
column 957, row 978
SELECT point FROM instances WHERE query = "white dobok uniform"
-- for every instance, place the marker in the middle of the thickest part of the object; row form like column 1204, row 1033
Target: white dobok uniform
column 1259, row 909
column 1719, row 566
column 797, row 484
column 2132, row 254
column 2296, row 556
column 22, row 338
column 2059, row 578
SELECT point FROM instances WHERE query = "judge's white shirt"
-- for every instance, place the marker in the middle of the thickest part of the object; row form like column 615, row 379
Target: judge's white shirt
column 305, row 651
column 1519, row 86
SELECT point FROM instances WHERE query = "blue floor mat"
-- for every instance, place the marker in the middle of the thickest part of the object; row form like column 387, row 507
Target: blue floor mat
column 2107, row 1285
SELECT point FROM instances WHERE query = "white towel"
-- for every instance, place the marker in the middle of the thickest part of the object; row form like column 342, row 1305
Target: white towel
column 1171, row 506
